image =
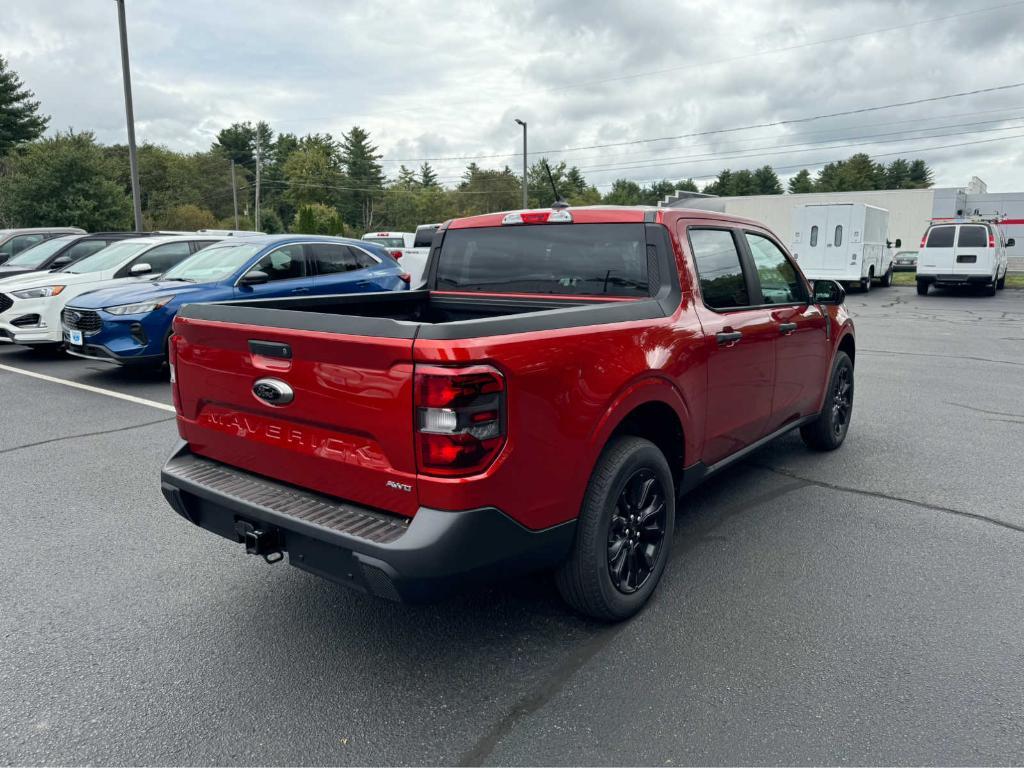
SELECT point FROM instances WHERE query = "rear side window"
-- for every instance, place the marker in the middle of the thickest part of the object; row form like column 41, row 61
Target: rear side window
column 972, row 237
column 940, row 237
column 571, row 259
column 331, row 258
column 718, row 266
column 838, row 239
column 814, row 236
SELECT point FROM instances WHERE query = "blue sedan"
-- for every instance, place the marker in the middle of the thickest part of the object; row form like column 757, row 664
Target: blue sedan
column 130, row 325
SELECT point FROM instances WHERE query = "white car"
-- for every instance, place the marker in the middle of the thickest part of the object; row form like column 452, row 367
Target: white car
column 968, row 252
column 30, row 306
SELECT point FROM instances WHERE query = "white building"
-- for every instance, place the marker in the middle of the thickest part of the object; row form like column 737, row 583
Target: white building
column 910, row 210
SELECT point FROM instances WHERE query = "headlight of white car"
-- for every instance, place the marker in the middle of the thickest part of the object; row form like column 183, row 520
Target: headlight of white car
column 138, row 309
column 38, row 293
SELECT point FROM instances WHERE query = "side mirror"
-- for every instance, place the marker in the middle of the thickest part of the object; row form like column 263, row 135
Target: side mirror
column 61, row 261
column 829, row 292
column 1010, row 243
column 255, row 277
column 898, row 242
column 140, row 269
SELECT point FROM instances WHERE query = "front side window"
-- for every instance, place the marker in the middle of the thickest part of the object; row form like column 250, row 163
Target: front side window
column 86, row 248
column 722, row 283
column 838, row 239
column 814, row 236
column 780, row 283
column 940, row 237
column 972, row 237
column 285, row 263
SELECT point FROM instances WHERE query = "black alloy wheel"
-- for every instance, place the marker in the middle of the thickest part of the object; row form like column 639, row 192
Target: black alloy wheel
column 636, row 531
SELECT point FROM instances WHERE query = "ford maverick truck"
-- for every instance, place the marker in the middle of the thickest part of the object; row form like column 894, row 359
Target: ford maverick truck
column 560, row 382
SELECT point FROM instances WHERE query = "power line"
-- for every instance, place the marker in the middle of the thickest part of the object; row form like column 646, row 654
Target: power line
column 773, row 124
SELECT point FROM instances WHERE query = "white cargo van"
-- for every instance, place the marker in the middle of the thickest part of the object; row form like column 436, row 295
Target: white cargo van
column 963, row 252
column 845, row 242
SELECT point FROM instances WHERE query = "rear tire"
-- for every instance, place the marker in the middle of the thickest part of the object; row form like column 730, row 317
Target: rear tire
column 922, row 287
column 887, row 278
column 990, row 289
column 623, row 534
column 828, row 431
column 865, row 284
column 1001, row 283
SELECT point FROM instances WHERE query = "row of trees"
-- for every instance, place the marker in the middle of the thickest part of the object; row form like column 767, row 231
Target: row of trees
column 318, row 183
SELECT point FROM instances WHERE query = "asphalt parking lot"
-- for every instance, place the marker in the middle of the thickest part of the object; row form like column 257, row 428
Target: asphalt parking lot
column 861, row 607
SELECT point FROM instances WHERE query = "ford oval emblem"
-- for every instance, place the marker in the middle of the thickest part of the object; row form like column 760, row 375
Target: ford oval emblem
column 273, row 391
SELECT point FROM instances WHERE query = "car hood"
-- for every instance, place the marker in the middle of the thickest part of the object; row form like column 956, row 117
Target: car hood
column 9, row 273
column 137, row 293
column 38, row 279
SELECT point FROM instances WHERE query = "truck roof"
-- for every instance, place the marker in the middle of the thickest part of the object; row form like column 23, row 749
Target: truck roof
column 606, row 214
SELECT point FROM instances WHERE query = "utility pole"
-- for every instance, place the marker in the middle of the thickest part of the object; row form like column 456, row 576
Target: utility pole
column 257, row 207
column 525, row 200
column 234, row 193
column 129, row 115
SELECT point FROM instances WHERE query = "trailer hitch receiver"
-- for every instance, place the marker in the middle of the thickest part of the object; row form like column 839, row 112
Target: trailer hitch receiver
column 259, row 541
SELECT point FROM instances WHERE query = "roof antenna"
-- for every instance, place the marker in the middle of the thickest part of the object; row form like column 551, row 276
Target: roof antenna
column 559, row 202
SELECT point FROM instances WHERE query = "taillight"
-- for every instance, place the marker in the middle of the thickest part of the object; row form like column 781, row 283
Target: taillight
column 396, row 255
column 460, row 419
column 405, row 277
column 923, row 238
column 991, row 240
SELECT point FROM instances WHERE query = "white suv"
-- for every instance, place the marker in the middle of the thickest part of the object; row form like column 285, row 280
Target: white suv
column 963, row 253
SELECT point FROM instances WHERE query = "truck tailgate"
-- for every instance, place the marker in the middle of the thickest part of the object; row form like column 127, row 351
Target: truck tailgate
column 347, row 432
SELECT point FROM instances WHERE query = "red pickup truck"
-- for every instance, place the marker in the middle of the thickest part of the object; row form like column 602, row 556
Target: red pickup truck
column 564, row 376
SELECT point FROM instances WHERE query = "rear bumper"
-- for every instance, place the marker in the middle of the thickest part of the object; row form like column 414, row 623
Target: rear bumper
column 955, row 279
column 397, row 558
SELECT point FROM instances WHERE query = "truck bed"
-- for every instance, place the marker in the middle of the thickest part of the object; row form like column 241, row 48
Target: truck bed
column 426, row 314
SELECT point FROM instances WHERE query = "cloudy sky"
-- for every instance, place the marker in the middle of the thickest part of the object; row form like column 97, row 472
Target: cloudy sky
column 445, row 79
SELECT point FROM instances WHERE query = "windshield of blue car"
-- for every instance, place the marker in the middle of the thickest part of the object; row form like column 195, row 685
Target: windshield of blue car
column 214, row 263
column 110, row 257
column 37, row 254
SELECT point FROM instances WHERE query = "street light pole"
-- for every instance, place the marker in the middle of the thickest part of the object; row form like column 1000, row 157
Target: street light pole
column 130, row 116
column 234, row 193
column 525, row 201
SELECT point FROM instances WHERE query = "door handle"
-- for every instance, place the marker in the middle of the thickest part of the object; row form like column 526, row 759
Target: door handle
column 728, row 338
column 786, row 328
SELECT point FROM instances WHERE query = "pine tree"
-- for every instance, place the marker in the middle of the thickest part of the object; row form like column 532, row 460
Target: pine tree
column 363, row 174
column 427, row 176
column 801, row 183
column 920, row 175
column 767, row 181
column 406, row 178
column 20, row 120
column 897, row 175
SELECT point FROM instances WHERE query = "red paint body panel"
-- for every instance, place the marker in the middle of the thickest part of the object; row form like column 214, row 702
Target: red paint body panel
column 350, row 428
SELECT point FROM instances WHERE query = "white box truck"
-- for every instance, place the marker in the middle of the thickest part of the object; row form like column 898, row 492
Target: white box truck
column 846, row 242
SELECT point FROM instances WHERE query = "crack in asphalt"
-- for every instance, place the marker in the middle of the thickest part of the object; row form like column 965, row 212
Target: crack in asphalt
column 932, row 354
column 536, row 700
column 889, row 497
column 982, row 410
column 84, row 434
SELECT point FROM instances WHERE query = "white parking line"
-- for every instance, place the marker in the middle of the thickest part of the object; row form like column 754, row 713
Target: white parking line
column 87, row 388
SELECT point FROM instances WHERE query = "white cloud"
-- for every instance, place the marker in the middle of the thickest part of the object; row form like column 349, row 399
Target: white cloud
column 436, row 79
